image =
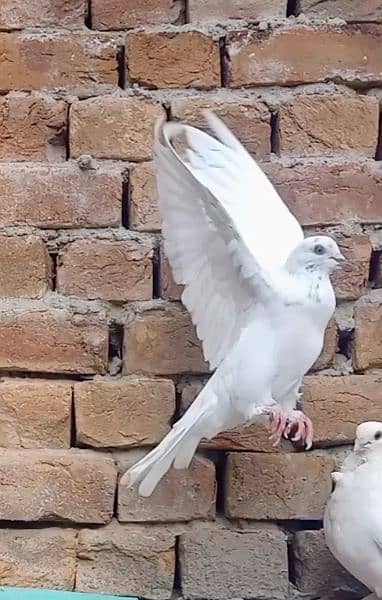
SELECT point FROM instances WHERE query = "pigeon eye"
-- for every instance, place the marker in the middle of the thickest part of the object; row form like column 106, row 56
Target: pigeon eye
column 378, row 435
column 319, row 249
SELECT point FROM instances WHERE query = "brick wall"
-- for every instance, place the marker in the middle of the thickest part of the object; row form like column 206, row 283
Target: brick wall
column 97, row 357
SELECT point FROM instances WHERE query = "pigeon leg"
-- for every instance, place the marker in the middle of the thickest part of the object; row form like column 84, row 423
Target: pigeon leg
column 301, row 426
column 278, row 420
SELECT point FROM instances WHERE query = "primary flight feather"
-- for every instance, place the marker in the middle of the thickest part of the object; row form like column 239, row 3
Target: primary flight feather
column 258, row 293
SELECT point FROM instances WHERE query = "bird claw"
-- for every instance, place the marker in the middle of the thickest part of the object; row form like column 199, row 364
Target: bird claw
column 283, row 425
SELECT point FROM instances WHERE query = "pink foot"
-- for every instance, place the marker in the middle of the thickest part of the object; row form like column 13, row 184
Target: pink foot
column 296, row 422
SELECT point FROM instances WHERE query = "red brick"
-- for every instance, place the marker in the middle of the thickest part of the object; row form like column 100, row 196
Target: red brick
column 337, row 405
column 324, row 194
column 18, row 14
column 83, row 63
column 326, row 124
column 162, row 342
column 350, row 284
column 24, row 266
column 182, row 495
column 368, row 10
column 59, row 196
column 216, row 10
column 120, row 559
column 173, row 60
column 127, row 14
column 111, row 127
column 326, row 357
column 143, row 208
column 126, row 412
column 56, row 485
column 277, row 56
column 249, row 119
column 110, row 270
column 367, row 349
column 35, row 414
column 169, row 289
column 277, row 486
column 32, row 128
column 35, row 337
column 42, row 558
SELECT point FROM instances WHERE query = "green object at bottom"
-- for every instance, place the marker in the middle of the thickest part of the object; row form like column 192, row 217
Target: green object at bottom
column 8, row 593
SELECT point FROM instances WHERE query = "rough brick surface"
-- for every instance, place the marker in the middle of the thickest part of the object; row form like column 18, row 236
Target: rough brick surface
column 182, row 495
column 32, row 127
column 38, row 338
column 127, row 412
column 162, row 342
column 275, row 57
column 321, row 194
column 369, row 10
column 126, row 14
column 43, row 558
column 318, row 573
column 367, row 349
column 126, row 558
column 35, row 413
column 325, row 124
column 173, row 60
column 25, row 269
column 277, row 486
column 56, row 485
column 337, row 405
column 250, row 120
column 216, row 10
column 168, row 288
column 111, row 127
column 17, row 14
column 350, row 284
column 80, row 62
column 110, row 270
column 59, row 196
column 143, row 209
column 219, row 563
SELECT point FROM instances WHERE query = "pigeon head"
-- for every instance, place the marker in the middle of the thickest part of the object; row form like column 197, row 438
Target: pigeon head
column 316, row 253
column 368, row 437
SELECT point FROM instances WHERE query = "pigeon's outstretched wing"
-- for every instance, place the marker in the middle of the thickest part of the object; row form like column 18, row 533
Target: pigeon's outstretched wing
column 225, row 228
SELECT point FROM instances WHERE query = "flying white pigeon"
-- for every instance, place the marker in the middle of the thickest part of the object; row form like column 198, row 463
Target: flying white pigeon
column 258, row 293
column 353, row 515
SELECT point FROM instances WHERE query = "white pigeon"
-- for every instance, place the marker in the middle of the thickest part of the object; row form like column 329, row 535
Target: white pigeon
column 353, row 515
column 258, row 293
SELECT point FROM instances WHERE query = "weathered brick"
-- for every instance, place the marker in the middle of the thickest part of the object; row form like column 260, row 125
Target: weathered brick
column 24, row 266
column 317, row 572
column 168, row 288
column 322, row 194
column 17, row 14
column 35, row 414
column 127, row 412
column 32, row 128
column 350, row 284
column 111, row 127
column 110, row 270
column 182, row 495
column 56, row 485
column 83, row 63
column 173, row 59
column 249, row 119
column 162, row 342
column 326, row 124
column 120, row 559
column 216, row 10
column 368, row 10
column 143, row 208
column 337, row 405
column 127, row 14
column 218, row 563
column 367, row 348
column 326, row 357
column 348, row 53
column 59, row 196
column 42, row 558
column 277, row 486
column 36, row 337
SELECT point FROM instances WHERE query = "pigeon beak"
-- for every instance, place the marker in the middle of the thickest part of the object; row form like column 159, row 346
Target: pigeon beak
column 342, row 262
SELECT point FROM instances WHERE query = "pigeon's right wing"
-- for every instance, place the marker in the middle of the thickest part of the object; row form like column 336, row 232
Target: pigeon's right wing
column 207, row 253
